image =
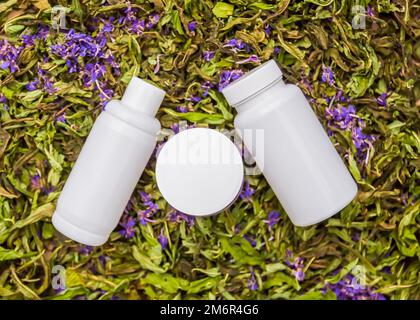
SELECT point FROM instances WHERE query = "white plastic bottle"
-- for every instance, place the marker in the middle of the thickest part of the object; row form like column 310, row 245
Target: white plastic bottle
column 299, row 161
column 109, row 165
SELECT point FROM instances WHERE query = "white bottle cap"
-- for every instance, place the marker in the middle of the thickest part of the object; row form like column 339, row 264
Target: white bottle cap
column 252, row 82
column 199, row 171
column 143, row 96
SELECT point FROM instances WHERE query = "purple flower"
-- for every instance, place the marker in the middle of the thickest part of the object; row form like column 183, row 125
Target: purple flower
column 370, row 11
column 175, row 127
column 163, row 240
column 345, row 118
column 228, row 76
column 85, row 250
column 130, row 22
column 128, row 226
column 247, row 192
column 361, row 141
column 102, row 259
column 36, row 181
column 267, row 30
column 237, row 45
column 43, row 81
column 108, row 25
column 47, row 190
column 4, row 101
column 251, row 58
column 147, row 201
column 192, row 26
column 194, row 99
column 177, row 217
column 356, row 236
column 297, row 265
column 341, row 116
column 382, row 100
column 105, row 94
column 153, row 21
column 273, row 218
column 151, row 208
column 33, row 85
column 299, row 274
column 250, row 239
column 61, row 118
column 41, row 34
column 208, row 55
column 78, row 47
column 276, row 50
column 182, row 109
column 144, row 217
column 206, row 86
column 92, row 72
column 387, row 270
column 349, row 288
column 327, row 75
column 8, row 56
column 252, row 281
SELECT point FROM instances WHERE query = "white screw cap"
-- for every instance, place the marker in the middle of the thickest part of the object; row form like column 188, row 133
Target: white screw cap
column 199, row 171
column 143, row 96
column 252, row 82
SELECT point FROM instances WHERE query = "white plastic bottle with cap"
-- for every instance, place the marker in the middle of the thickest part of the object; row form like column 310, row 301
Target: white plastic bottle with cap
column 109, row 165
column 299, row 161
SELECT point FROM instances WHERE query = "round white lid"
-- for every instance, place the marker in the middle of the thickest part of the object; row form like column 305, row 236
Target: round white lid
column 199, row 171
column 252, row 82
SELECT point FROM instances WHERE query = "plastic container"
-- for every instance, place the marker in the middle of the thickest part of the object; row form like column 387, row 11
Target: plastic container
column 299, row 161
column 199, row 171
column 109, row 165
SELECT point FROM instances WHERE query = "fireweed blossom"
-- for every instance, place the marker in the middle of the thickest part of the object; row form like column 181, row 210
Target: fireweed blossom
column 36, row 181
column 192, row 26
column 268, row 29
column 43, row 82
column 208, row 55
column 349, row 288
column 41, row 34
column 145, row 215
column 86, row 55
column 3, row 100
column 8, row 56
column 296, row 265
column 163, row 240
column 237, row 45
column 345, row 118
column 130, row 21
column 147, row 201
column 273, row 218
column 182, row 109
column 327, row 75
column 247, row 192
column 194, row 99
column 228, row 76
column 61, row 118
column 206, row 86
column 251, row 59
column 85, row 250
column 176, row 216
column 382, row 100
column 252, row 283
column 153, row 21
column 250, row 239
column 128, row 227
